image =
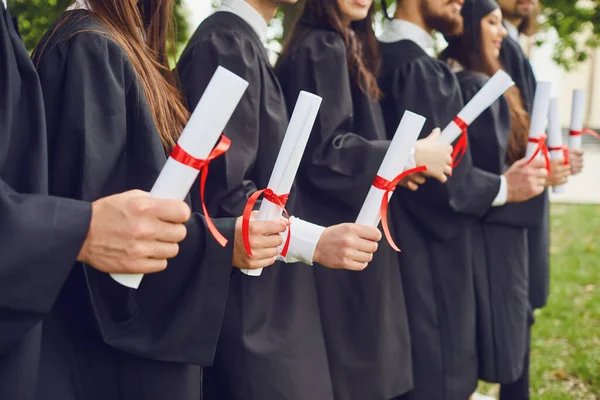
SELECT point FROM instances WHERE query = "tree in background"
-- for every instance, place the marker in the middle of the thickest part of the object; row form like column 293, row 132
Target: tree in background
column 36, row 16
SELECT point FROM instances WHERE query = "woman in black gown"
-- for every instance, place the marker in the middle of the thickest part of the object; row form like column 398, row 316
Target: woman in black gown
column 112, row 116
column 498, row 138
column 332, row 52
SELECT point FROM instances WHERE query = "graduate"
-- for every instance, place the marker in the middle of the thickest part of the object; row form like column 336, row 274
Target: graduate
column 520, row 17
column 112, row 116
column 56, row 231
column 498, row 139
column 434, row 221
column 271, row 344
column 332, row 51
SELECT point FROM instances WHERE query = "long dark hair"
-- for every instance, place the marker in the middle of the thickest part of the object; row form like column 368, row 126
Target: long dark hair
column 142, row 31
column 463, row 50
column 361, row 44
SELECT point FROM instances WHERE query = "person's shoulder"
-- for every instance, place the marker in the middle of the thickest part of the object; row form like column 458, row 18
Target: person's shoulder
column 226, row 35
column 471, row 79
column 320, row 45
column 78, row 33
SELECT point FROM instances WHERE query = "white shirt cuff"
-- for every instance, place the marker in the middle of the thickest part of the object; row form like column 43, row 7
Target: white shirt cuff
column 305, row 237
column 502, row 195
column 411, row 163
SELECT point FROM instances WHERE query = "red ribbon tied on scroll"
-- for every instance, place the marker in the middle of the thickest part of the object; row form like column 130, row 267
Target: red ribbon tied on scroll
column 541, row 147
column 584, row 132
column 278, row 200
column 565, row 149
column 390, row 187
column 460, row 148
column 182, row 156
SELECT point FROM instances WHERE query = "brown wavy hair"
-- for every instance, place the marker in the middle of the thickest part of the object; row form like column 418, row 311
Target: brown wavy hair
column 362, row 47
column 142, row 31
column 463, row 50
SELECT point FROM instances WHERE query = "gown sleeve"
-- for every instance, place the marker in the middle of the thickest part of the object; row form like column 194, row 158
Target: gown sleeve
column 174, row 315
column 229, row 182
column 40, row 236
column 337, row 161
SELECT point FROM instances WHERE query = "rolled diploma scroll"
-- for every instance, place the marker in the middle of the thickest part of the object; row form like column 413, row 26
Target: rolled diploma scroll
column 200, row 135
column 555, row 137
column 487, row 95
column 539, row 115
column 577, row 117
column 393, row 164
column 290, row 154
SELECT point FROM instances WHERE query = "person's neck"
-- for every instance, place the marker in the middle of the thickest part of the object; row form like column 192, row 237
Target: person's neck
column 409, row 11
column 515, row 21
column 266, row 8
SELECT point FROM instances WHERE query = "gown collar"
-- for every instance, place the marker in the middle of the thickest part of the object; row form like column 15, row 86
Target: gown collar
column 398, row 29
column 249, row 14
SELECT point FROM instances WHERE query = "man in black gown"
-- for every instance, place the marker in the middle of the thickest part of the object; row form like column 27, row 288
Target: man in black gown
column 434, row 221
column 271, row 344
column 41, row 236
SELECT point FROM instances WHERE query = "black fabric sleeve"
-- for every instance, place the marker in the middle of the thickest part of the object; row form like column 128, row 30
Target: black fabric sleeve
column 337, row 161
column 228, row 183
column 40, row 238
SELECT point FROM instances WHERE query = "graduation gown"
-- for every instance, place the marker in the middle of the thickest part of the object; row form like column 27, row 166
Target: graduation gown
column 40, row 236
column 518, row 67
column 499, row 250
column 271, row 345
column 102, row 340
column 363, row 313
column 432, row 225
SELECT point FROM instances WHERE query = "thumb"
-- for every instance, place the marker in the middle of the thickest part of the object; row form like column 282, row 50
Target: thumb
column 435, row 134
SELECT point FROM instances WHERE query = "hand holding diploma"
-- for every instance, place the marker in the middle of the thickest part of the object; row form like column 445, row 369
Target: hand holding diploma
column 559, row 153
column 537, row 138
column 347, row 246
column 285, row 169
column 132, row 233
column 196, row 148
column 577, row 131
column 390, row 173
column 487, row 95
column 265, row 239
column 435, row 155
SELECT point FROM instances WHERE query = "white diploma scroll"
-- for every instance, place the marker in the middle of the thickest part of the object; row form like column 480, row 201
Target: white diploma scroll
column 555, row 140
column 198, row 139
column 577, row 117
column 290, row 154
column 539, row 115
column 487, row 95
column 393, row 164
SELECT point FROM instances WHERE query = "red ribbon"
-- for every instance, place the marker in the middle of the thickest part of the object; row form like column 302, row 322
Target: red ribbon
column 565, row 150
column 390, row 187
column 279, row 200
column 460, row 148
column 541, row 147
column 584, row 132
column 182, row 156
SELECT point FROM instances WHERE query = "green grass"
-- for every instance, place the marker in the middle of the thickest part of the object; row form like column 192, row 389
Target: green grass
column 565, row 359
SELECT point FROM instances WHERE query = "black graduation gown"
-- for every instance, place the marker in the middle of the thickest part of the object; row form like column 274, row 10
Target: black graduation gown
column 436, row 258
column 102, row 340
column 499, row 248
column 518, row 67
column 40, row 236
column 363, row 313
column 271, row 345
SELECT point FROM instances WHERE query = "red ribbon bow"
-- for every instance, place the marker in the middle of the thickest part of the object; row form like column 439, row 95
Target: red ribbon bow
column 279, row 200
column 584, row 132
column 565, row 150
column 541, row 147
column 390, row 187
column 460, row 148
column 182, row 156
